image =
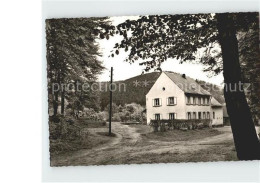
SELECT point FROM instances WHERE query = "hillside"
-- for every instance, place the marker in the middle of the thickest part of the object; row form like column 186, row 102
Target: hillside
column 131, row 92
column 137, row 94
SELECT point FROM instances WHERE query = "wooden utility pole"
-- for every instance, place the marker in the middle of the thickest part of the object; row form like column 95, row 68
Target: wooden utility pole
column 110, row 106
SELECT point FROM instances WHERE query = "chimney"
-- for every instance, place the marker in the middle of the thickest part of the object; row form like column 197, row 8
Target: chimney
column 184, row 76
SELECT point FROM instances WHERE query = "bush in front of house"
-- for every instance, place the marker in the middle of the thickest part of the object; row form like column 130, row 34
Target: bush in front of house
column 179, row 124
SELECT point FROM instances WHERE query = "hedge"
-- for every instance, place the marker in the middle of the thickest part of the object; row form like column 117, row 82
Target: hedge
column 183, row 124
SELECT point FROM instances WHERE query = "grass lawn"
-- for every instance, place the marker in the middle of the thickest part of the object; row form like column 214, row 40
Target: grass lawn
column 175, row 135
column 210, row 154
column 137, row 144
column 93, row 133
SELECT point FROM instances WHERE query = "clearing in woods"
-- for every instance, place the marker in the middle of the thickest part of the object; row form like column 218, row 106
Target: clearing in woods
column 135, row 144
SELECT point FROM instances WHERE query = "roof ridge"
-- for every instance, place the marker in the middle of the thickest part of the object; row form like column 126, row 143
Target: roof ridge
column 187, row 81
column 185, row 75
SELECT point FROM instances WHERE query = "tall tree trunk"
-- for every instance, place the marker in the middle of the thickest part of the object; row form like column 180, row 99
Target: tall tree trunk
column 55, row 103
column 62, row 101
column 244, row 133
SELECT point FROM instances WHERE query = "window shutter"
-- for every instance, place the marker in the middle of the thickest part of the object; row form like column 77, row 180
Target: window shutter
column 160, row 116
column 175, row 115
column 160, row 101
column 175, row 100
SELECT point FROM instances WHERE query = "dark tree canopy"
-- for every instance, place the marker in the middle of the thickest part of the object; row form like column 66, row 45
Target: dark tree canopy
column 155, row 38
column 248, row 55
column 73, row 57
column 71, row 47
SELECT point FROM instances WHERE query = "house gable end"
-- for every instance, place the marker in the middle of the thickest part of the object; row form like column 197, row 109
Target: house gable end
column 164, row 80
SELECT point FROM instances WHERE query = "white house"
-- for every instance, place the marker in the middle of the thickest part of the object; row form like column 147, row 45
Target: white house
column 176, row 96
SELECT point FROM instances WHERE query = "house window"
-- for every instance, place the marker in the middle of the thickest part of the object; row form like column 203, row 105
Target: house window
column 207, row 101
column 203, row 101
column 213, row 115
column 194, row 115
column 188, row 100
column 194, row 100
column 204, row 115
column 157, row 116
column 208, row 115
column 199, row 100
column 189, row 115
column 172, row 116
column 199, row 115
column 157, row 102
column 171, row 101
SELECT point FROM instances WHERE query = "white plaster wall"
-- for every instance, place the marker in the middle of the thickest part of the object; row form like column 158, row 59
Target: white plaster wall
column 171, row 90
column 218, row 116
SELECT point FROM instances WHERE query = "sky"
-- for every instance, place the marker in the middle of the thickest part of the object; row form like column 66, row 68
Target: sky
column 124, row 70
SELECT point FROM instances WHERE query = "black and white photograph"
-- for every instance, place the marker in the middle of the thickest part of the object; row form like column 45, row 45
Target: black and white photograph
column 150, row 89
column 130, row 91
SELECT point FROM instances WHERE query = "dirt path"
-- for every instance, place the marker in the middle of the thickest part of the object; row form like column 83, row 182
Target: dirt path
column 128, row 144
column 126, row 138
column 187, row 146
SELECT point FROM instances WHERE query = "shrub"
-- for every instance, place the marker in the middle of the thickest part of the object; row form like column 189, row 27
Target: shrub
column 65, row 129
column 70, row 121
column 65, row 136
column 128, row 112
column 93, row 123
column 163, row 125
column 116, row 117
column 55, row 119
column 102, row 116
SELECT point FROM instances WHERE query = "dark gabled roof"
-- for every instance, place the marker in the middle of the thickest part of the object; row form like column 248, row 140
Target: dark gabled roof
column 186, row 84
column 214, row 102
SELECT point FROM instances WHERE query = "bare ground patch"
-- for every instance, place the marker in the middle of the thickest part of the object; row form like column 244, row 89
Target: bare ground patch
column 135, row 144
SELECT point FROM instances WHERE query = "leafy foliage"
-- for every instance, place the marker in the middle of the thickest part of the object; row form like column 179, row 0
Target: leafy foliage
column 249, row 55
column 155, row 38
column 73, row 57
column 128, row 112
